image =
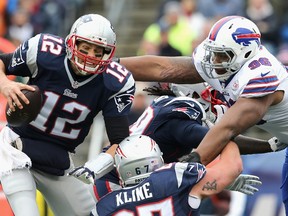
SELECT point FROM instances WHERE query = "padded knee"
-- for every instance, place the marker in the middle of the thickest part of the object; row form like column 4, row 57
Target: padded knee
column 19, row 180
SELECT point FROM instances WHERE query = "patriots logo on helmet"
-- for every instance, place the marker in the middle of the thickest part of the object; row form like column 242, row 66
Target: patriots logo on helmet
column 244, row 36
column 189, row 111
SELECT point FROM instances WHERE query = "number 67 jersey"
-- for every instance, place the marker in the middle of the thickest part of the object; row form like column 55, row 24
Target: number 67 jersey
column 164, row 192
column 70, row 102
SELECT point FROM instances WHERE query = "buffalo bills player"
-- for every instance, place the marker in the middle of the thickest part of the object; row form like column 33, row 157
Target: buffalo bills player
column 78, row 79
column 233, row 61
column 172, row 189
column 178, row 124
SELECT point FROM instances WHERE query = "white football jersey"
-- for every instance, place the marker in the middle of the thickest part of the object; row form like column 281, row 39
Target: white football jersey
column 261, row 75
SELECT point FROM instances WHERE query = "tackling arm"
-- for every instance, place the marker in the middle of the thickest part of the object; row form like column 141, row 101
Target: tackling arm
column 242, row 115
column 162, row 69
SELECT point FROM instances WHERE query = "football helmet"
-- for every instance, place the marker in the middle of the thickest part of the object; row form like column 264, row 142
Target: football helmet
column 135, row 158
column 233, row 38
column 94, row 29
column 202, row 92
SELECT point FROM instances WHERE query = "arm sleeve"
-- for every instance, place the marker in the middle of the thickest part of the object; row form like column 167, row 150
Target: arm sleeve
column 117, row 128
column 6, row 58
column 186, row 132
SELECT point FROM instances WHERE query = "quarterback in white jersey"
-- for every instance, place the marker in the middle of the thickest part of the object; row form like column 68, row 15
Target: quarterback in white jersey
column 233, row 61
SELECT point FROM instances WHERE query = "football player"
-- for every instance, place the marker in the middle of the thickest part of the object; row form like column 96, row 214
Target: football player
column 178, row 120
column 233, row 61
column 171, row 189
column 78, row 79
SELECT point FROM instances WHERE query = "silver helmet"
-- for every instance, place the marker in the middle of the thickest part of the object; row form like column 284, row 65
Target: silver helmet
column 95, row 29
column 136, row 157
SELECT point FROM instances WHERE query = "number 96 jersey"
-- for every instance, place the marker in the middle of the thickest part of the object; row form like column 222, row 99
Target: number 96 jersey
column 259, row 76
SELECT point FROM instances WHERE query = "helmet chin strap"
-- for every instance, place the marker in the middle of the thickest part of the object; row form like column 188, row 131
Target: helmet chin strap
column 77, row 69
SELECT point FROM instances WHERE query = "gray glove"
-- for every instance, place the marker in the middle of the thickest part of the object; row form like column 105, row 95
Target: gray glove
column 276, row 145
column 84, row 174
column 245, row 184
column 94, row 169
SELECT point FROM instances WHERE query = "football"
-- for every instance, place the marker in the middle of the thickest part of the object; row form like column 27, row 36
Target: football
column 21, row 117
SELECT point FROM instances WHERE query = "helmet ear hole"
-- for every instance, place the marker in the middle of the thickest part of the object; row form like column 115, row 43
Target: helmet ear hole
column 247, row 54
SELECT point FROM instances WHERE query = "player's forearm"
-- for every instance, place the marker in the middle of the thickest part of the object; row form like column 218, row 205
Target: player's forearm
column 231, row 161
column 249, row 145
column 112, row 150
column 213, row 143
column 162, row 69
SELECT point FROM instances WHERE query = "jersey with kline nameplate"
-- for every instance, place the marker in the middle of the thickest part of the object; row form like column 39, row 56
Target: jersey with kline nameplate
column 165, row 192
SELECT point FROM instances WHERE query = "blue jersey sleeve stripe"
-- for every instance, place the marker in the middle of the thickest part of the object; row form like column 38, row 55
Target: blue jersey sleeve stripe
column 260, row 89
column 262, row 80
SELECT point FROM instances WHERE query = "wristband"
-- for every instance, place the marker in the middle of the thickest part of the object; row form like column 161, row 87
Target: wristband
column 273, row 142
column 192, row 157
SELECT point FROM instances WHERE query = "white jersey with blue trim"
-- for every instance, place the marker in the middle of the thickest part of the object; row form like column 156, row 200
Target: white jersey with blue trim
column 261, row 75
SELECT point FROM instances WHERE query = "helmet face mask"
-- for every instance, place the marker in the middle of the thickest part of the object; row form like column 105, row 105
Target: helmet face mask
column 219, row 69
column 93, row 29
column 136, row 158
column 194, row 91
column 236, row 40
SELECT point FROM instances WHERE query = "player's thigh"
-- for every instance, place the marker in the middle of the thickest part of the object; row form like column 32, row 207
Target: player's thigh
column 20, row 190
column 65, row 195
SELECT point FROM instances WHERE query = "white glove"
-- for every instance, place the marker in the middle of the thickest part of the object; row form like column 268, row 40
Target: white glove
column 245, row 184
column 94, row 169
column 220, row 110
column 208, row 123
column 276, row 145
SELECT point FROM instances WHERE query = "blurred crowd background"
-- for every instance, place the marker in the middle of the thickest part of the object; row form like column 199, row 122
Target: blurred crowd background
column 168, row 28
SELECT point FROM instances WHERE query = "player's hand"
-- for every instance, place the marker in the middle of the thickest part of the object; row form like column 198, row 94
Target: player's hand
column 12, row 92
column 276, row 145
column 94, row 169
column 220, row 110
column 84, row 174
column 245, row 184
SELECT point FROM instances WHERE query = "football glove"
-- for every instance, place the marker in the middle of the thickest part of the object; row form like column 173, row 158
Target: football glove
column 84, row 174
column 191, row 157
column 220, row 110
column 94, row 169
column 245, row 184
column 276, row 145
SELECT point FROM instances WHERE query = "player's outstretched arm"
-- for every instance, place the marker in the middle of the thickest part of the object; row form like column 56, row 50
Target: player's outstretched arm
column 221, row 173
column 94, row 169
column 162, row 69
column 245, row 113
